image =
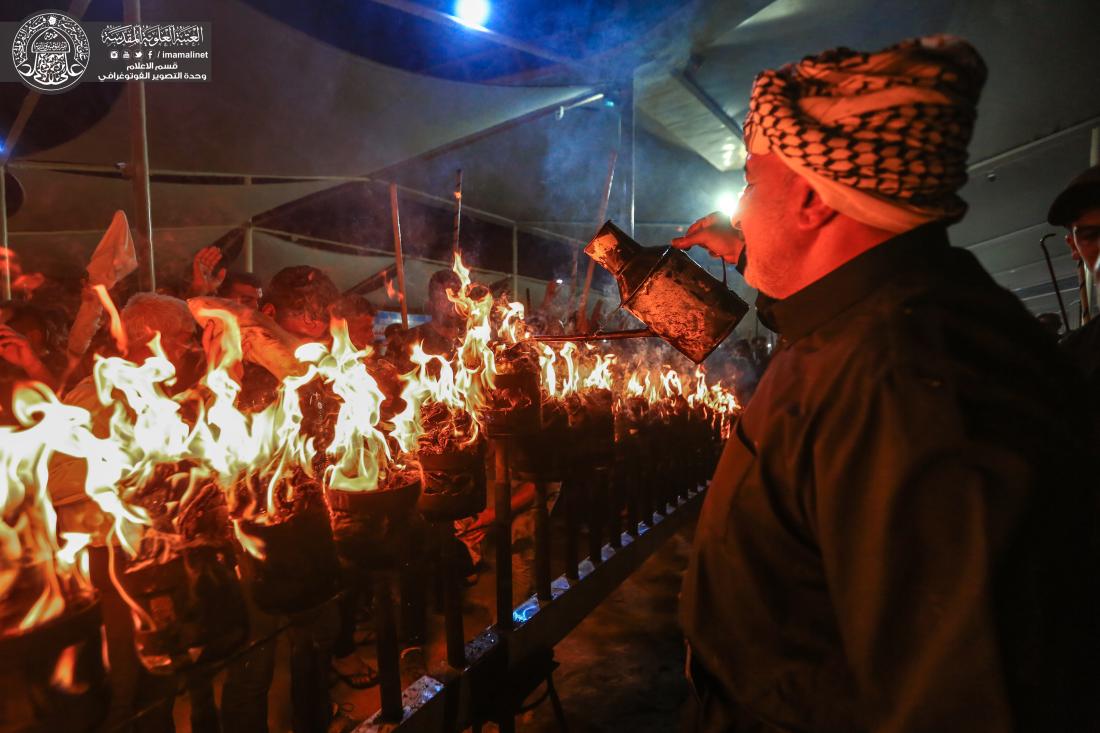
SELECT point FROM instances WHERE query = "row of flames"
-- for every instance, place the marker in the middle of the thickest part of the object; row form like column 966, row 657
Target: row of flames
column 200, row 440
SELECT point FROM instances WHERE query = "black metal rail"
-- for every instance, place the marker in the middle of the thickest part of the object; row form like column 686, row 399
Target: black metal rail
column 457, row 699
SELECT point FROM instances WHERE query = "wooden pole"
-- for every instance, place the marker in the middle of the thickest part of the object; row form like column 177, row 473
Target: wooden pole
column 455, row 250
column 582, row 308
column 139, row 167
column 399, row 256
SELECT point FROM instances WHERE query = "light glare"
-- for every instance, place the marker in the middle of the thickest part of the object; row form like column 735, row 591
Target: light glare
column 472, row 13
column 727, row 203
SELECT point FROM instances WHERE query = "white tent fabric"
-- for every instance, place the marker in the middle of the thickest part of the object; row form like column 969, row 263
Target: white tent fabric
column 69, row 201
column 68, row 252
column 282, row 103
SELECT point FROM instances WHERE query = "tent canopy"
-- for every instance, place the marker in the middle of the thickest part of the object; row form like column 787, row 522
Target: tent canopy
column 289, row 98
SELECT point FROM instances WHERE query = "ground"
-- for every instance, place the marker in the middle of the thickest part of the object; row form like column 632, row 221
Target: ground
column 622, row 669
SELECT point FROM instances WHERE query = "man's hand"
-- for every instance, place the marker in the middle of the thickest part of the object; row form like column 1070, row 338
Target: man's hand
column 28, row 282
column 17, row 351
column 715, row 233
column 206, row 276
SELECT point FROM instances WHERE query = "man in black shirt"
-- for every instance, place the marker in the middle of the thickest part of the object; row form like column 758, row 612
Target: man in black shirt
column 1078, row 209
column 896, row 537
column 442, row 333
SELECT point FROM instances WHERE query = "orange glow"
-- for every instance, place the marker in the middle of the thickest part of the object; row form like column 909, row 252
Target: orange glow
column 203, row 439
column 118, row 333
column 64, row 672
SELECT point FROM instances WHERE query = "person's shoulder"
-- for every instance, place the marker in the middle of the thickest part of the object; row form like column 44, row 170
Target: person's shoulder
column 930, row 331
column 83, row 394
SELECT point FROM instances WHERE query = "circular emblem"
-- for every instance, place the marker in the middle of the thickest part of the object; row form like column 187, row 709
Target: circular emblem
column 50, row 52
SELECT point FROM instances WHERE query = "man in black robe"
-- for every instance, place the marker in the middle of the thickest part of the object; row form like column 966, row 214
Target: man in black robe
column 897, row 537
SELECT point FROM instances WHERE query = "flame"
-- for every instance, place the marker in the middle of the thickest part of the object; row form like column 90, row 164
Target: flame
column 64, row 671
column 30, row 553
column 513, row 329
column 259, row 450
column 670, row 382
column 199, row 439
column 358, row 452
column 459, row 385
column 601, row 377
column 391, row 293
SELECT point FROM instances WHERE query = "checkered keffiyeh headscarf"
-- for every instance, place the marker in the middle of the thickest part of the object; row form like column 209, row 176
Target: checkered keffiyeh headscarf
column 882, row 137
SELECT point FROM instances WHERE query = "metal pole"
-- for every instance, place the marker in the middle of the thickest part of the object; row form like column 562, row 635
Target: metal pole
column 628, row 157
column 4, row 230
column 597, row 497
column 450, row 564
column 389, row 657
column 399, row 256
column 502, row 523
column 542, row 541
column 458, row 213
column 515, row 262
column 139, row 167
column 601, row 217
column 1054, row 280
column 249, row 260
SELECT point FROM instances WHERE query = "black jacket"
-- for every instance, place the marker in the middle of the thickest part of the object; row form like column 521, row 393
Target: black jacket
column 898, row 537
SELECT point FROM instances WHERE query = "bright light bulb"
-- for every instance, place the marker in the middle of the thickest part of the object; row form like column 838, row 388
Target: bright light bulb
column 559, row 281
column 727, row 203
column 472, row 13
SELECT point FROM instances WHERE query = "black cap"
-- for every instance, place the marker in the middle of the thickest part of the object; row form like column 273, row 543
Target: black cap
column 1082, row 193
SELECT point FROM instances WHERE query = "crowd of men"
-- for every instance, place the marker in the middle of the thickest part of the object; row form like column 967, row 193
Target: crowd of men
column 304, row 302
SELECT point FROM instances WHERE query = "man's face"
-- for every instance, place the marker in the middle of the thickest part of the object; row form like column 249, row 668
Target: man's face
column 361, row 330
column 441, row 309
column 1084, row 237
column 244, row 294
column 305, row 323
column 772, row 241
column 182, row 348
